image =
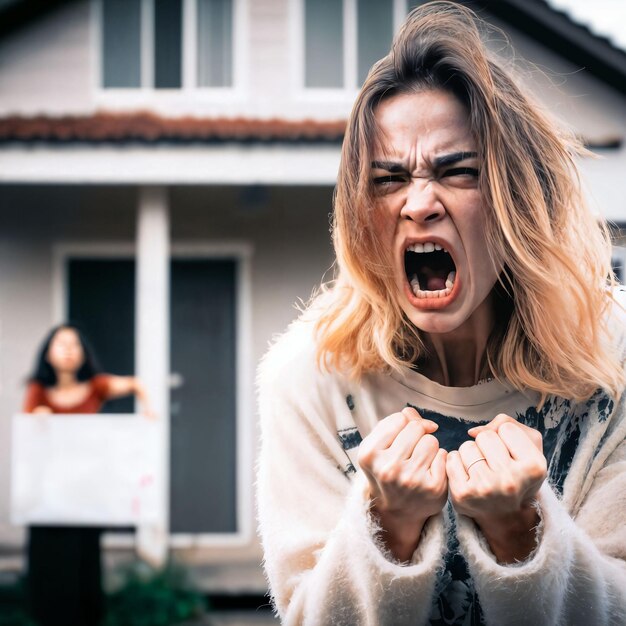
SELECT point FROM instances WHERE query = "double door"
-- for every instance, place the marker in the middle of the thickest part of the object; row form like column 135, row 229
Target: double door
column 203, row 336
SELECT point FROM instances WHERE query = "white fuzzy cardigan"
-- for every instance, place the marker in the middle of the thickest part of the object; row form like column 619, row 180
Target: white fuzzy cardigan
column 325, row 566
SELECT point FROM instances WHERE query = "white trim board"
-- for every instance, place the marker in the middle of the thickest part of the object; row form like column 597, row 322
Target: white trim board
column 241, row 252
column 231, row 164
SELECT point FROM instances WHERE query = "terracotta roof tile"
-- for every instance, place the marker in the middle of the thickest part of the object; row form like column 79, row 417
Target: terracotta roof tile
column 152, row 128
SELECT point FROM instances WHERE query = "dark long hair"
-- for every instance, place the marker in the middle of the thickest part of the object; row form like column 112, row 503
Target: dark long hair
column 44, row 372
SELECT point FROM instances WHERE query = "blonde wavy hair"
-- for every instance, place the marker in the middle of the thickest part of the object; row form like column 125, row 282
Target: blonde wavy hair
column 554, row 290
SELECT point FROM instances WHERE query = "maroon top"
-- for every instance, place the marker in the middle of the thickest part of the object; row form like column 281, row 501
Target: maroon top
column 99, row 393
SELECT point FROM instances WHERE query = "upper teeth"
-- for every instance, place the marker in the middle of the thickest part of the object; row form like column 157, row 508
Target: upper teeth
column 429, row 246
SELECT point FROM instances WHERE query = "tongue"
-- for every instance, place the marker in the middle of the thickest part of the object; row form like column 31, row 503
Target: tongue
column 435, row 283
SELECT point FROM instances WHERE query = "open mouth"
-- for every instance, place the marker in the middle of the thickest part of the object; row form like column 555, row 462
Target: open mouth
column 429, row 269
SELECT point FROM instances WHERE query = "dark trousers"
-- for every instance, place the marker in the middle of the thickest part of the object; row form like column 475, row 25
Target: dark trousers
column 64, row 575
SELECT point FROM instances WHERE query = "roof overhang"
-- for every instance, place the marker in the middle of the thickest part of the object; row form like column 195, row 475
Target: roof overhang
column 144, row 127
column 558, row 32
column 223, row 164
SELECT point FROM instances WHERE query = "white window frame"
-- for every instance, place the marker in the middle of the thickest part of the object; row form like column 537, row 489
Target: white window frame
column 146, row 93
column 350, row 87
column 241, row 253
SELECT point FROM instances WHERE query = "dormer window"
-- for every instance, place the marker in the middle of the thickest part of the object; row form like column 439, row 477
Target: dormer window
column 342, row 39
column 167, row 44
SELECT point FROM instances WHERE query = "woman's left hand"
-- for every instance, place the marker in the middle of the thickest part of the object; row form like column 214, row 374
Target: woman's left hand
column 149, row 413
column 494, row 480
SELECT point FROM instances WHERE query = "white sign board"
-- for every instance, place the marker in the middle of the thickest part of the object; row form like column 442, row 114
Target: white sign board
column 84, row 470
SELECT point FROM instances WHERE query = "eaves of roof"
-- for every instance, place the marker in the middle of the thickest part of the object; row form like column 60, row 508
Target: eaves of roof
column 557, row 31
column 150, row 128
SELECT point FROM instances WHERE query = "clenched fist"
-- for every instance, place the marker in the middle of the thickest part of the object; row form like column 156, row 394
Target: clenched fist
column 406, row 471
column 494, row 480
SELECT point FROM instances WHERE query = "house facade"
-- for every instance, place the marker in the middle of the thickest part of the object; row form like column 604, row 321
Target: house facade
column 166, row 179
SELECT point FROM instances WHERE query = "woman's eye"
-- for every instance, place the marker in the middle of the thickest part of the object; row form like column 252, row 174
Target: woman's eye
column 461, row 171
column 382, row 181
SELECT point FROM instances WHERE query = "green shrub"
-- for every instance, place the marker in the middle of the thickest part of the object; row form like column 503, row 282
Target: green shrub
column 147, row 597
column 13, row 603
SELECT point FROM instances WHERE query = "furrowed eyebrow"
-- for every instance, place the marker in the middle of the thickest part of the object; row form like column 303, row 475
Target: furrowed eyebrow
column 446, row 159
column 455, row 157
column 389, row 166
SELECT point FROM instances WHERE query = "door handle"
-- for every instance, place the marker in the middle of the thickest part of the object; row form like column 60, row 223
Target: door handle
column 176, row 381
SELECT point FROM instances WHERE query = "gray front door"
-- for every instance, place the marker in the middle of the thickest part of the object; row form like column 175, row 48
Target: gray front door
column 203, row 411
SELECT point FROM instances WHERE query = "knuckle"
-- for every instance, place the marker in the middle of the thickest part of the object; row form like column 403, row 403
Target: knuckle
column 442, row 488
column 414, row 426
column 538, row 471
column 365, row 456
column 536, row 438
column 401, row 418
column 484, row 436
column 409, row 481
column 502, row 417
column 410, row 412
column 388, row 473
column 393, row 421
column 509, row 427
column 481, row 492
column 430, row 441
column 535, row 471
column 406, row 482
column 509, row 487
column 461, row 494
column 473, row 491
column 465, row 446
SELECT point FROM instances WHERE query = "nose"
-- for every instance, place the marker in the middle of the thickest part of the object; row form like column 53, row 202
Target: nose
column 422, row 203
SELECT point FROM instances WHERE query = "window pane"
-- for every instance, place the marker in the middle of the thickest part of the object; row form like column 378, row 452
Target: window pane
column 411, row 4
column 323, row 48
column 167, row 43
column 215, row 43
column 375, row 31
column 121, row 49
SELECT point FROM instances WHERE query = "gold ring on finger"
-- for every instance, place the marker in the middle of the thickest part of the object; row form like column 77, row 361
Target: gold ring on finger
column 482, row 458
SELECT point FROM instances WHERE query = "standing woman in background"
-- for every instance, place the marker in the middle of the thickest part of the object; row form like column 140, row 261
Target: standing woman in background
column 64, row 568
column 443, row 428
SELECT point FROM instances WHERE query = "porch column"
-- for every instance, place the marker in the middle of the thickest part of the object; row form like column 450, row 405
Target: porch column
column 152, row 343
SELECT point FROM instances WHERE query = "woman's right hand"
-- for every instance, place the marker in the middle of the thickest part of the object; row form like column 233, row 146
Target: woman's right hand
column 406, row 471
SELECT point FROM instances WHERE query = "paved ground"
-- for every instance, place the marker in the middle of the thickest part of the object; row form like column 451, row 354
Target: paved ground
column 232, row 618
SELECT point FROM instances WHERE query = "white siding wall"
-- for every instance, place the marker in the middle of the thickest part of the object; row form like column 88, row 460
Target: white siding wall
column 46, row 66
column 269, row 56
